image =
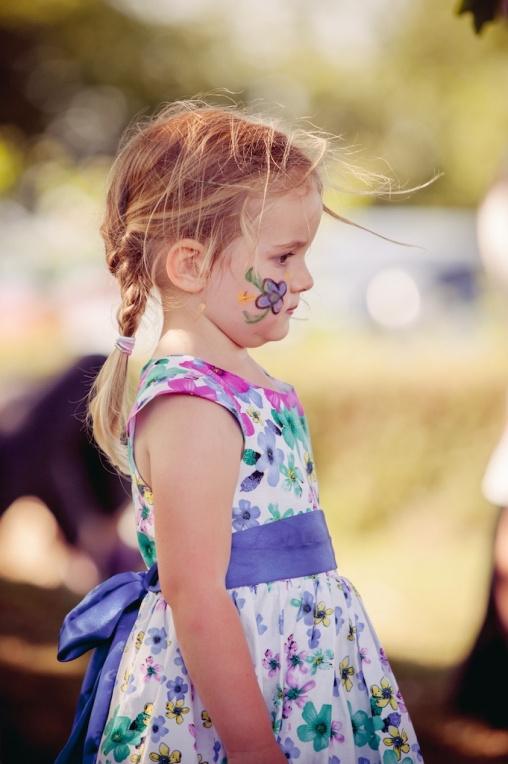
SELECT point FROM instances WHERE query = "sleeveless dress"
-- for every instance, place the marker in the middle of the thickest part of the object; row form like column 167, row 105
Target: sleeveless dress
column 325, row 678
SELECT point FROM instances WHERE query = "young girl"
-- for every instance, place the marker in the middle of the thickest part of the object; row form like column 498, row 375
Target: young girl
column 241, row 643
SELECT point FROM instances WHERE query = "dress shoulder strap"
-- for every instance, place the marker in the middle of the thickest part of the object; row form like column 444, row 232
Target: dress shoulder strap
column 181, row 375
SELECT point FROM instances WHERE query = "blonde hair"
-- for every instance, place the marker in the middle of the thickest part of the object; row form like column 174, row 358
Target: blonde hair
column 186, row 173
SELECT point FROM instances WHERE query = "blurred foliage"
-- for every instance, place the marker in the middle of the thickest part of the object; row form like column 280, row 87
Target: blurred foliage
column 482, row 10
column 421, row 92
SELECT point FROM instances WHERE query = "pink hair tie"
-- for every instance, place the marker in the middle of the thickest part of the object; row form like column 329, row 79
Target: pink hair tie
column 125, row 344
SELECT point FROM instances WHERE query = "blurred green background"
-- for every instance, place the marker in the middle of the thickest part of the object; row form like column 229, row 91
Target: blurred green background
column 404, row 415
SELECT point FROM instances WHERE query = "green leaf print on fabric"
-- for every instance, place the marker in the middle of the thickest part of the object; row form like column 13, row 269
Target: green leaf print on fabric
column 318, row 727
column 118, row 737
column 147, row 549
column 160, row 371
column 250, row 456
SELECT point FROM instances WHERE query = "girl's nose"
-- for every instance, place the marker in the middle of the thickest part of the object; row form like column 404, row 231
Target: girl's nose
column 302, row 281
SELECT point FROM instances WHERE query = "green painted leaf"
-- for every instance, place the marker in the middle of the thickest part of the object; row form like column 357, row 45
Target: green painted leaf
column 250, row 456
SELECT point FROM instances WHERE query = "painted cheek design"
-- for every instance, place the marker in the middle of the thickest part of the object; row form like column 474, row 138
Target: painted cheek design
column 270, row 299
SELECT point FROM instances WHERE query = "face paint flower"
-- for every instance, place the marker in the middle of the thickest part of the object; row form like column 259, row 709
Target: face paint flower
column 272, row 295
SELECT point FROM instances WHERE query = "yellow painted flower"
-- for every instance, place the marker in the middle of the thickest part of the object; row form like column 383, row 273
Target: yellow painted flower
column 345, row 671
column 176, row 710
column 310, row 467
column 356, row 591
column 321, row 614
column 352, row 632
column 255, row 415
column 398, row 741
column 244, row 297
column 165, row 756
column 126, row 676
column 139, row 639
column 136, row 757
column 146, row 491
column 200, row 759
column 384, row 694
column 207, row 722
column 148, row 711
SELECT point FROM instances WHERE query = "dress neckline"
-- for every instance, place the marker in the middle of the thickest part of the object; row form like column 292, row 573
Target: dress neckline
column 212, row 366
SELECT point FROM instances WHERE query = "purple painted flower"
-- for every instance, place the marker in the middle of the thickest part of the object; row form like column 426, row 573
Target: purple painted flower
column 151, row 670
column 157, row 728
column 272, row 295
column 416, row 748
column 338, row 620
column 216, row 750
column 177, row 688
column 336, row 735
column 239, row 602
column 271, row 662
column 220, row 375
column 244, row 516
column 281, row 623
column 392, row 720
column 180, row 662
column 361, row 681
column 383, row 658
column 294, row 659
column 188, row 386
column 270, row 457
column 289, row 749
column 158, row 639
column 335, row 760
column 400, row 701
column 259, row 621
column 306, row 608
column 314, row 636
column 293, row 693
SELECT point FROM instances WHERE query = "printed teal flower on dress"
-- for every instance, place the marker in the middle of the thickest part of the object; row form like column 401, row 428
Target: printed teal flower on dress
column 290, row 422
column 318, row 728
column 118, row 737
column 293, row 476
column 276, row 515
column 147, row 548
column 364, row 728
column 320, row 660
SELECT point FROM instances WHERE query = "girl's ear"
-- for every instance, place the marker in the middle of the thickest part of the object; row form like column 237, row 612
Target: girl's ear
column 184, row 263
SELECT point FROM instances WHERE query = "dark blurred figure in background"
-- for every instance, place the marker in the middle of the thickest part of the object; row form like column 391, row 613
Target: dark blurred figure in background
column 47, row 452
column 487, row 665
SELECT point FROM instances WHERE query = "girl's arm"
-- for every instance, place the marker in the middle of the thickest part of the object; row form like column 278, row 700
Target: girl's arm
column 192, row 451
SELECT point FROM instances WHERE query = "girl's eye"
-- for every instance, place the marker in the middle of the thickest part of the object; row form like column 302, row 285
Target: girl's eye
column 282, row 259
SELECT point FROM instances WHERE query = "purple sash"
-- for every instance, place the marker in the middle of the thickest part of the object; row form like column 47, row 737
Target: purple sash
column 289, row 548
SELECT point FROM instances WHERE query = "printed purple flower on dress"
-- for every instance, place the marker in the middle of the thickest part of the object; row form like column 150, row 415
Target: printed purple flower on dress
column 289, row 749
column 177, row 688
column 272, row 295
column 151, row 670
column 293, row 693
column 271, row 662
column 245, row 516
column 157, row 728
column 271, row 457
column 157, row 639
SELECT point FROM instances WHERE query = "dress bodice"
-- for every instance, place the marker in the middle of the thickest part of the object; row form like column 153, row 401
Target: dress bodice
column 277, row 476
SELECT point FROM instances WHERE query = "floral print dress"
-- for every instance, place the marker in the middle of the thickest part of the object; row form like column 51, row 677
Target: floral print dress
column 325, row 678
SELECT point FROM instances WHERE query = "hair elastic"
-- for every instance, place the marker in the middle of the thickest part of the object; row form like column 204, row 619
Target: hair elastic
column 125, row 344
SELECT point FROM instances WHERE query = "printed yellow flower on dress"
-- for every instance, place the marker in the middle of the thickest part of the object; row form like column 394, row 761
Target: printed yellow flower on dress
column 352, row 632
column 384, row 694
column 145, row 491
column 207, row 722
column 176, row 710
column 126, row 676
column 255, row 415
column 139, row 639
column 321, row 614
column 346, row 671
column 136, row 757
column 164, row 755
column 398, row 740
column 310, row 467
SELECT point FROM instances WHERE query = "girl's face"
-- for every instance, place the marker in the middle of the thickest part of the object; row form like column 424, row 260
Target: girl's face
column 251, row 296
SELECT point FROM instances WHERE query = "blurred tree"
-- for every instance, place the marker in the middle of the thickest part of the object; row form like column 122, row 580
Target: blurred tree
column 483, row 11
